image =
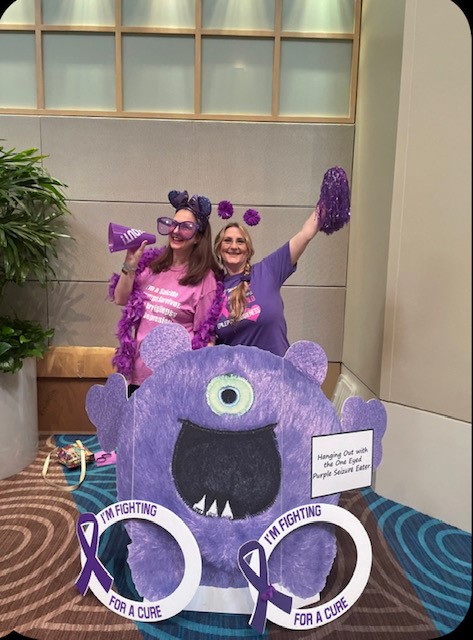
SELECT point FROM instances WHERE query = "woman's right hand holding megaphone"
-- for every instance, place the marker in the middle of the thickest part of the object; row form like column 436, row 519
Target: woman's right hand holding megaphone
column 127, row 276
column 133, row 256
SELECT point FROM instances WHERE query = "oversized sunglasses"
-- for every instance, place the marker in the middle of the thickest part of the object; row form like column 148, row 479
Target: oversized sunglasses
column 186, row 229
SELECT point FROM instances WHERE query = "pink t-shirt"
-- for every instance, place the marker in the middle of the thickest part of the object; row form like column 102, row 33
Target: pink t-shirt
column 169, row 301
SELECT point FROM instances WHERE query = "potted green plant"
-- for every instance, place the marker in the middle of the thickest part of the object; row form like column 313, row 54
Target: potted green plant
column 32, row 220
column 20, row 339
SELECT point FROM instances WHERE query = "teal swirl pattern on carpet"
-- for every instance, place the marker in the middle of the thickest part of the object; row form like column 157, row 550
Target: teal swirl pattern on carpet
column 435, row 557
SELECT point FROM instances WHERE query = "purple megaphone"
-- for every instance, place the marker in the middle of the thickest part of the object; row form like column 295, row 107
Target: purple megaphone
column 121, row 238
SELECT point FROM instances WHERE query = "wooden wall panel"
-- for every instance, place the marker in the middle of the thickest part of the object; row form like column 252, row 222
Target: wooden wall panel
column 334, row 370
column 65, row 375
column 61, row 405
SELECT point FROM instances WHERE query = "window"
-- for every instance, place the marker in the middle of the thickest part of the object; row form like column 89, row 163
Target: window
column 261, row 60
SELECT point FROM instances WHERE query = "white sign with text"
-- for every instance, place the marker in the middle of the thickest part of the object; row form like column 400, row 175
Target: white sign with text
column 341, row 461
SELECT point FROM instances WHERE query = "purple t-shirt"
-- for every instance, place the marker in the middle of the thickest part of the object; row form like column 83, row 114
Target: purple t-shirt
column 263, row 324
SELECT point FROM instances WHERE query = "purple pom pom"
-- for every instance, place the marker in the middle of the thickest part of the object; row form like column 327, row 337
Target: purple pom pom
column 225, row 209
column 334, row 201
column 251, row 217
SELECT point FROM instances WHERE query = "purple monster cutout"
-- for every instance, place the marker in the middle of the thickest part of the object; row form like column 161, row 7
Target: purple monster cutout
column 222, row 437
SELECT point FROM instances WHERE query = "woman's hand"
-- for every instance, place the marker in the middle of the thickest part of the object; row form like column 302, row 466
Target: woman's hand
column 134, row 256
column 127, row 277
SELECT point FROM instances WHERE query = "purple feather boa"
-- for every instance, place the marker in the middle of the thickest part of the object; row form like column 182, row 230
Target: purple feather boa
column 206, row 330
column 125, row 354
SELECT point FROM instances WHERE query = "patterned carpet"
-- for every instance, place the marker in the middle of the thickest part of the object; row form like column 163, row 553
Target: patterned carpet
column 419, row 587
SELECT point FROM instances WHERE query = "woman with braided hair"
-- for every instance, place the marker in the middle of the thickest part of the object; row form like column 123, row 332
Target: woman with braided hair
column 253, row 309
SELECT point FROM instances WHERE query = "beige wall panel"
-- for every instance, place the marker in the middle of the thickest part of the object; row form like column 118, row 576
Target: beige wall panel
column 323, row 262
column 20, row 132
column 82, row 315
column 316, row 314
column 88, row 257
column 29, row 302
column 141, row 160
column 373, row 166
column 426, row 464
column 427, row 353
column 121, row 170
column 270, row 163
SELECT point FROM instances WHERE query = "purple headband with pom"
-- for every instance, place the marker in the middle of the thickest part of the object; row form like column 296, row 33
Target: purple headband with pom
column 334, row 201
column 225, row 211
column 199, row 205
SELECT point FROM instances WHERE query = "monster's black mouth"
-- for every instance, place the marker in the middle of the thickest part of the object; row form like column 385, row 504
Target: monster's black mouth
column 232, row 474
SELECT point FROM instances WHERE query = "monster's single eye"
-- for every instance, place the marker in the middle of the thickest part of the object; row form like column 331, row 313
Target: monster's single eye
column 229, row 394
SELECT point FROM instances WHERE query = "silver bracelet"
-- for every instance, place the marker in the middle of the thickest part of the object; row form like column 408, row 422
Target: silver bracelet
column 127, row 269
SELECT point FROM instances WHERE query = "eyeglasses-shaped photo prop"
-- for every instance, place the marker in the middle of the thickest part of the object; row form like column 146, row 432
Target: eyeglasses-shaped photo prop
column 121, row 238
column 186, row 229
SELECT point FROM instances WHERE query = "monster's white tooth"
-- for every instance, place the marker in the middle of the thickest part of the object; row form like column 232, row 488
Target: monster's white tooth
column 213, row 510
column 199, row 506
column 227, row 512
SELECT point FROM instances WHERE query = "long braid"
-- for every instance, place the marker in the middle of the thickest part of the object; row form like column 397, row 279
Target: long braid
column 237, row 298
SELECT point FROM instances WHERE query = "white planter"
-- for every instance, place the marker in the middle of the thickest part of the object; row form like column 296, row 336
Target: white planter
column 18, row 419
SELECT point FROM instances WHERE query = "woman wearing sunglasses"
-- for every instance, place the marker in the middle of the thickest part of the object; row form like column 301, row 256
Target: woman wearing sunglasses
column 176, row 283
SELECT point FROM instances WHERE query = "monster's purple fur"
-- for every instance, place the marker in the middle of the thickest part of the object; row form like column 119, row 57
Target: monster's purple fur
column 147, row 428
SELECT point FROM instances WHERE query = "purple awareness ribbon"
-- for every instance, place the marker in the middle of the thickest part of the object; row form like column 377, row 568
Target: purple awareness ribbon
column 93, row 564
column 266, row 592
